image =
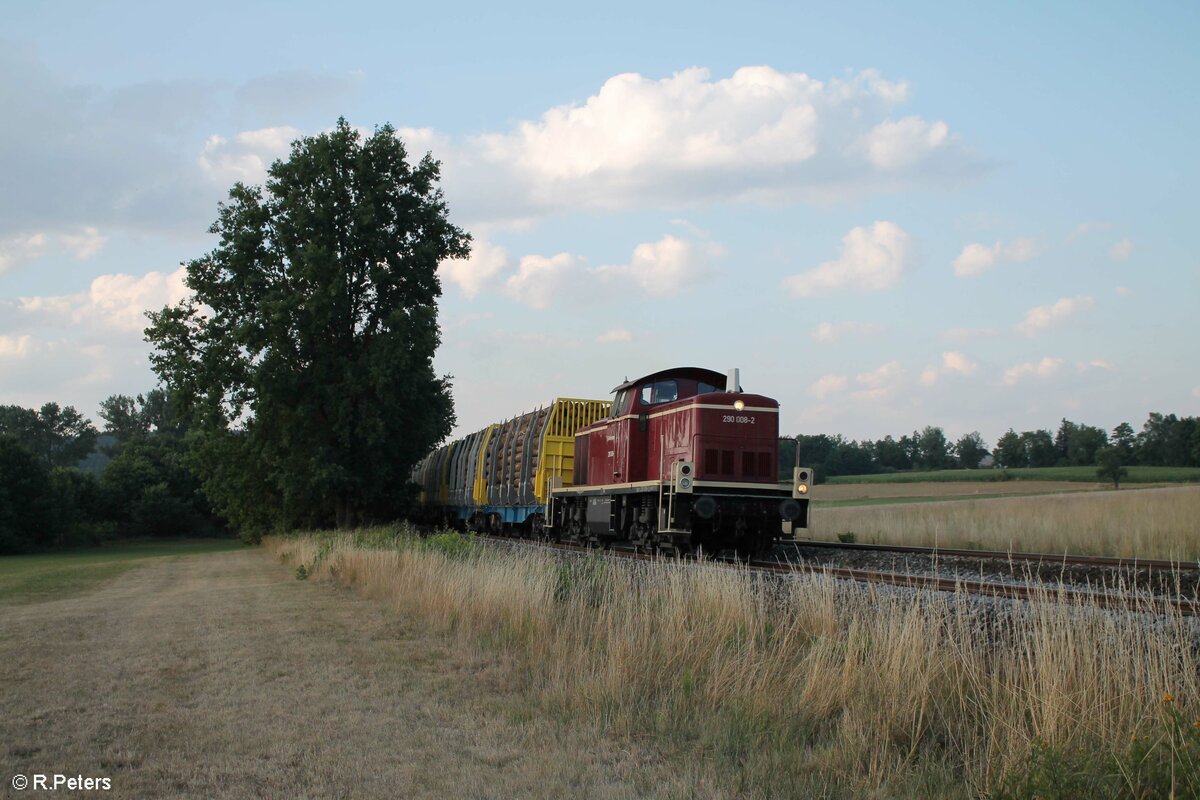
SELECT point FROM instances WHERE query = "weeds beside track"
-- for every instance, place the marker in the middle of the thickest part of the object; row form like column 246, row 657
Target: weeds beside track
column 830, row 688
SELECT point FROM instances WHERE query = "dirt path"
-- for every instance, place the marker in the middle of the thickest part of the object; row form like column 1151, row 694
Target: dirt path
column 223, row 676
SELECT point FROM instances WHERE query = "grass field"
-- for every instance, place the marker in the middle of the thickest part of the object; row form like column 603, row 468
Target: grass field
column 1144, row 523
column 822, row 690
column 32, row 578
column 1078, row 474
column 216, row 674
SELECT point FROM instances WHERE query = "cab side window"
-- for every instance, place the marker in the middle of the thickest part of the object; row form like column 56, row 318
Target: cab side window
column 666, row 391
column 705, row 388
column 648, row 394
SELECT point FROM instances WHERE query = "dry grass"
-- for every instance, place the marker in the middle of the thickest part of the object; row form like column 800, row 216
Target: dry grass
column 1147, row 523
column 827, row 689
column 223, row 676
column 865, row 491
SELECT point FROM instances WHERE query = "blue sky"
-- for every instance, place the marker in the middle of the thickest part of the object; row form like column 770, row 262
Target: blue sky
column 887, row 216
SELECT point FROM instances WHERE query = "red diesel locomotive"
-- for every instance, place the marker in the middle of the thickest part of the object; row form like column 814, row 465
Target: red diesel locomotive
column 685, row 461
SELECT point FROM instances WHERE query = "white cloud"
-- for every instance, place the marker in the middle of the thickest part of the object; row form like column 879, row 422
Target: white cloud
column 1037, row 320
column 15, row 346
column 472, row 274
column 662, row 268
column 1095, row 363
column 829, row 332
column 891, row 145
column 81, row 244
column 118, row 302
column 759, row 135
column 828, row 384
column 871, row 259
column 976, row 258
column 1124, row 291
column 959, row 363
column 1043, row 369
column 539, row 280
column 247, row 155
column 1121, row 250
column 878, row 383
column 614, row 336
column 953, row 362
column 1196, row 392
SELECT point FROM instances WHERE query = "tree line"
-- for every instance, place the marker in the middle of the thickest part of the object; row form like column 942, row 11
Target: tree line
column 64, row 483
column 1165, row 440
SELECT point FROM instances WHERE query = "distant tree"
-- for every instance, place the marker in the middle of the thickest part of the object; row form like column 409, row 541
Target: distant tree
column 891, row 454
column 59, row 437
column 1039, row 448
column 1010, row 451
column 1124, row 439
column 934, row 449
column 970, row 450
column 1110, row 467
column 305, row 352
column 1085, row 442
column 1062, row 441
column 26, row 499
column 151, row 491
column 126, row 417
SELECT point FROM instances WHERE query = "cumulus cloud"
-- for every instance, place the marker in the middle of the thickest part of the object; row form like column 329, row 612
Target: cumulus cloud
column 1038, row 320
column 663, row 268
column 1084, row 228
column 872, row 258
column 614, row 336
column 1121, row 250
column 1124, row 291
column 81, row 244
column 953, row 362
column 539, row 280
column 976, row 258
column 1095, row 363
column 829, row 332
column 759, row 135
column 472, row 274
column 117, row 302
column 1042, row 369
column 245, row 156
column 878, row 383
column 15, row 346
column 827, row 385
column 1041, row 318
column 660, row 269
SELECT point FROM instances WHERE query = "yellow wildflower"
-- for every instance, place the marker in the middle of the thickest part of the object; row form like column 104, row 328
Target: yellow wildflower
column 1168, row 698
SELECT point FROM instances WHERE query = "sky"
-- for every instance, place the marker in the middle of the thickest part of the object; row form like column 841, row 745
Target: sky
column 886, row 215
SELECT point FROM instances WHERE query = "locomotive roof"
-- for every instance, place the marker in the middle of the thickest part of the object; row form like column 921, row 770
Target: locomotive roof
column 692, row 373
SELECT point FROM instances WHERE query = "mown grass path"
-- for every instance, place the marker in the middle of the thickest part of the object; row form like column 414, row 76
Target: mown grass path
column 221, row 675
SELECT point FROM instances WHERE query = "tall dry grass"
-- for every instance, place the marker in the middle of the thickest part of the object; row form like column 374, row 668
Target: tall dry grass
column 812, row 688
column 1146, row 523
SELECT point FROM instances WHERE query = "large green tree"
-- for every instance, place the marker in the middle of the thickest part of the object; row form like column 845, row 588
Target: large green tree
column 304, row 355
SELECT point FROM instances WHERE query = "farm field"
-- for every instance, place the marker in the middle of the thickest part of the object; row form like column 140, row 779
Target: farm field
column 1075, row 474
column 1143, row 522
column 218, row 674
column 843, row 493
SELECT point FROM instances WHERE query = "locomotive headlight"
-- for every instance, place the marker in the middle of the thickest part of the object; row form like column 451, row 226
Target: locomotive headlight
column 802, row 489
column 739, row 405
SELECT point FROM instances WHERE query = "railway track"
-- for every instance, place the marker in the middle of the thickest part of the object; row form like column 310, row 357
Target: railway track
column 1137, row 602
column 1011, row 556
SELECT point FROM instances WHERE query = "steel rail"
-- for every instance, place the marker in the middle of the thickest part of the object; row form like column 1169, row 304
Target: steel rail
column 1042, row 558
column 1153, row 604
